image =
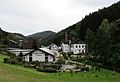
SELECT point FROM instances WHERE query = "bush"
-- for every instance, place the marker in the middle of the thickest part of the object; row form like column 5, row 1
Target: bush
column 65, row 56
column 19, row 59
column 27, row 65
column 54, row 66
column 49, row 70
column 13, row 61
column 36, row 63
column 60, row 61
column 84, row 69
column 96, row 75
column 46, row 67
column 6, row 60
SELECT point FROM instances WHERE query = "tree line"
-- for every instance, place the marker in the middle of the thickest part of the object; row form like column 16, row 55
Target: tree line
column 104, row 44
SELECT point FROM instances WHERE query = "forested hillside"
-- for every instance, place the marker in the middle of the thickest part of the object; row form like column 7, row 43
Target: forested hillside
column 104, row 44
column 42, row 35
column 3, row 33
column 6, row 36
column 92, row 21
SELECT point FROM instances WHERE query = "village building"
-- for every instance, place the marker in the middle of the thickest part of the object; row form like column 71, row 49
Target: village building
column 17, row 52
column 65, row 48
column 53, row 47
column 41, row 55
column 12, row 44
column 28, row 43
column 78, row 48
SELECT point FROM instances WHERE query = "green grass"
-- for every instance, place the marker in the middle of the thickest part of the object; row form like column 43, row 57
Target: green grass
column 13, row 73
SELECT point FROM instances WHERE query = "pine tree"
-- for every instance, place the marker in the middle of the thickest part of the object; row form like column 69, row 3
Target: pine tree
column 102, row 42
column 90, row 40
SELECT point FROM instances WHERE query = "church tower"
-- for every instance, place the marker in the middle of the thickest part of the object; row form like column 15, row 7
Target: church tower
column 66, row 38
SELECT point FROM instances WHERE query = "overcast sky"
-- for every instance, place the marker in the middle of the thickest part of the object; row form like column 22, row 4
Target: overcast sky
column 31, row 16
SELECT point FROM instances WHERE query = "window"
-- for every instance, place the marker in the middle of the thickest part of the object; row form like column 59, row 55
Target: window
column 76, row 46
column 83, row 51
column 46, row 57
column 82, row 46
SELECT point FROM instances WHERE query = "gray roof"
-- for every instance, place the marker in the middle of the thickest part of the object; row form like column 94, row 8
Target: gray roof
column 20, row 50
column 47, row 50
column 44, row 50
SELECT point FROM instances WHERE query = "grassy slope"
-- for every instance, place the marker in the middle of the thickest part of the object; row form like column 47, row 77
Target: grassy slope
column 12, row 73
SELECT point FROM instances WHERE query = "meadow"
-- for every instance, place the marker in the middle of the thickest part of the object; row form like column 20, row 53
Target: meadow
column 14, row 73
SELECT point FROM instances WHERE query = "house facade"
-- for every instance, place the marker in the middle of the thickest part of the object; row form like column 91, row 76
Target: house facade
column 76, row 48
column 53, row 47
column 65, row 48
column 41, row 55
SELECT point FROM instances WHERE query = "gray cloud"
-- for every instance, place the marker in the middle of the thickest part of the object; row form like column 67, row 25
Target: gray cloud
column 95, row 3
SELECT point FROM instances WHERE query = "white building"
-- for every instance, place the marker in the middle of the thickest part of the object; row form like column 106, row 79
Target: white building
column 53, row 47
column 65, row 48
column 41, row 55
column 17, row 52
column 78, row 48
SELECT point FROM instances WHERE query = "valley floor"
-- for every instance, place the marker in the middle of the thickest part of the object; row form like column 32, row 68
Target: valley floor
column 13, row 73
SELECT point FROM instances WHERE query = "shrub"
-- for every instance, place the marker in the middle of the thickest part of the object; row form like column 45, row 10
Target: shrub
column 84, row 69
column 13, row 61
column 69, row 54
column 60, row 61
column 36, row 63
column 49, row 70
column 19, row 58
column 96, row 75
column 65, row 56
column 71, row 71
column 55, row 66
column 27, row 65
column 6, row 60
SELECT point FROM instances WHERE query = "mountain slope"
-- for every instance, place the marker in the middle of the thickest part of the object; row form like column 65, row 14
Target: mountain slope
column 5, row 37
column 3, row 33
column 42, row 35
